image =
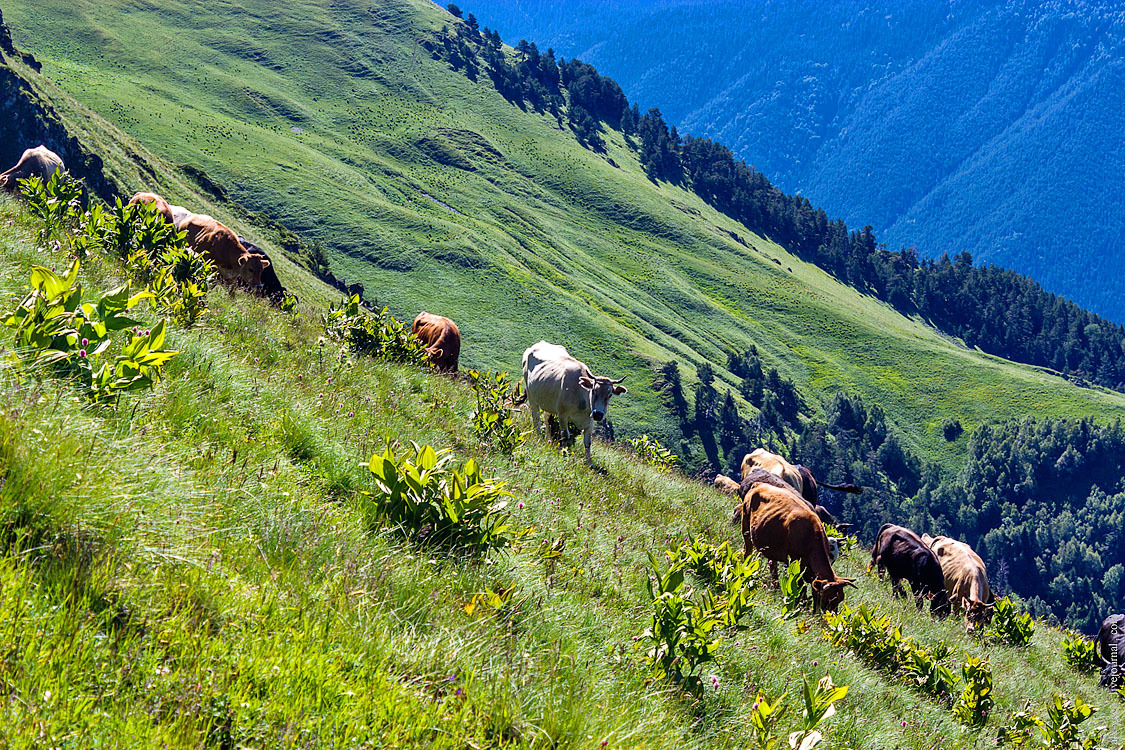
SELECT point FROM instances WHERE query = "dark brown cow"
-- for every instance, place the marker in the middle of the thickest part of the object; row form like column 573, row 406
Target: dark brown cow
column 901, row 553
column 221, row 246
column 162, row 206
column 1111, row 645
column 779, row 524
column 40, row 161
column 966, row 579
column 271, row 285
column 441, row 338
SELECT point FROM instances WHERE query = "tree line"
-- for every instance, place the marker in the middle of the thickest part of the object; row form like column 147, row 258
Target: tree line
column 998, row 310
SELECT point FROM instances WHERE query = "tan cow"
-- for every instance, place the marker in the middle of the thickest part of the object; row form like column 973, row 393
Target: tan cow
column 40, row 161
column 442, row 339
column 966, row 579
column 221, row 246
column 162, row 206
column 799, row 477
column 778, row 523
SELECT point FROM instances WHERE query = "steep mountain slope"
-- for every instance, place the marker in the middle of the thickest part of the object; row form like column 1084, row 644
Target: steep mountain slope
column 438, row 194
column 196, row 567
column 983, row 126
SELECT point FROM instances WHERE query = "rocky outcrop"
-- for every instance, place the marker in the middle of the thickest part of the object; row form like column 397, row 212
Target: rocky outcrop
column 27, row 120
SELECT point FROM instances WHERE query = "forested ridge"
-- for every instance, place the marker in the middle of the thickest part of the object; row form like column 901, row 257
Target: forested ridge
column 1000, row 311
column 1020, row 499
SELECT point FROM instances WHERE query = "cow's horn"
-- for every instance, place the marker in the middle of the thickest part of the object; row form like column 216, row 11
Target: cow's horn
column 615, row 382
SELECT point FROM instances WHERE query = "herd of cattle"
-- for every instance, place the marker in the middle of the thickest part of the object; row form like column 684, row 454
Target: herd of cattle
column 778, row 506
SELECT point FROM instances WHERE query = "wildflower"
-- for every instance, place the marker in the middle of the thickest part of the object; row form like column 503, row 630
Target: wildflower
column 815, row 663
column 715, row 682
column 255, row 360
column 85, row 342
column 520, row 505
column 904, row 723
column 458, row 693
column 82, row 353
column 755, row 705
column 620, row 539
column 351, row 413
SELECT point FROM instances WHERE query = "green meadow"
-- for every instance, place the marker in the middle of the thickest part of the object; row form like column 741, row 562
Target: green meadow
column 196, row 566
column 437, row 194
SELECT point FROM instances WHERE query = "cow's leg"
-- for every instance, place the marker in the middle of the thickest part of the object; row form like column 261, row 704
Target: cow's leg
column 896, row 586
column 535, row 419
column 587, row 437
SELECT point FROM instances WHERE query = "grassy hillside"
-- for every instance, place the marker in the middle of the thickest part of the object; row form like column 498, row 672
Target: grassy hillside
column 437, row 194
column 874, row 111
column 196, row 567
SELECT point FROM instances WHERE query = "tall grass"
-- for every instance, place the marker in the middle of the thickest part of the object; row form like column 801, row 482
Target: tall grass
column 195, row 567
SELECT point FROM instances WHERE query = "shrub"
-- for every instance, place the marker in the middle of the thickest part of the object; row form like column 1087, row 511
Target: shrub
column 494, row 420
column 794, row 590
column 975, row 703
column 56, row 330
column 1059, row 731
column 430, row 500
column 1081, row 654
column 819, row 705
column 56, row 203
column 652, row 452
column 682, row 629
column 951, row 429
column 1009, row 625
column 376, row 335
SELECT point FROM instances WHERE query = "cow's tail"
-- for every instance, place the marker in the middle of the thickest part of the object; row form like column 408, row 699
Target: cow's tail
column 855, row 489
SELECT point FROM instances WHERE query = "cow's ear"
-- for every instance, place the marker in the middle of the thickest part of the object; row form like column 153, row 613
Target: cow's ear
column 265, row 263
column 587, row 383
column 619, row 389
column 244, row 260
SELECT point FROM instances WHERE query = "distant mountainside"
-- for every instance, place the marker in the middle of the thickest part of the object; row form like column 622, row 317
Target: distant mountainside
column 980, row 126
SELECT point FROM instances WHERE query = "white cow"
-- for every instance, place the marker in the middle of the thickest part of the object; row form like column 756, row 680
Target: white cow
column 559, row 384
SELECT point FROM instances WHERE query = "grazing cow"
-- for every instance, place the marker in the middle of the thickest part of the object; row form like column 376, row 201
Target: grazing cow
column 750, row 465
column 40, row 161
column 221, row 246
column 179, row 213
column 271, row 285
column 162, row 206
column 966, row 579
column 559, row 384
column 796, row 475
column 442, row 340
column 779, row 524
column 1111, row 644
column 725, row 484
column 902, row 554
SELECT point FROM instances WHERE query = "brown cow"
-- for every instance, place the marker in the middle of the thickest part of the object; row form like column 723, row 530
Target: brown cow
column 221, row 246
column 799, row 477
column 162, row 206
column 40, row 161
column 442, row 339
column 966, row 579
column 781, row 526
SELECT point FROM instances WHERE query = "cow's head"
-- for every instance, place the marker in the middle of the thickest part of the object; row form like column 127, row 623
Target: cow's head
column 977, row 613
column 601, row 391
column 250, row 268
column 939, row 603
column 829, row 595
